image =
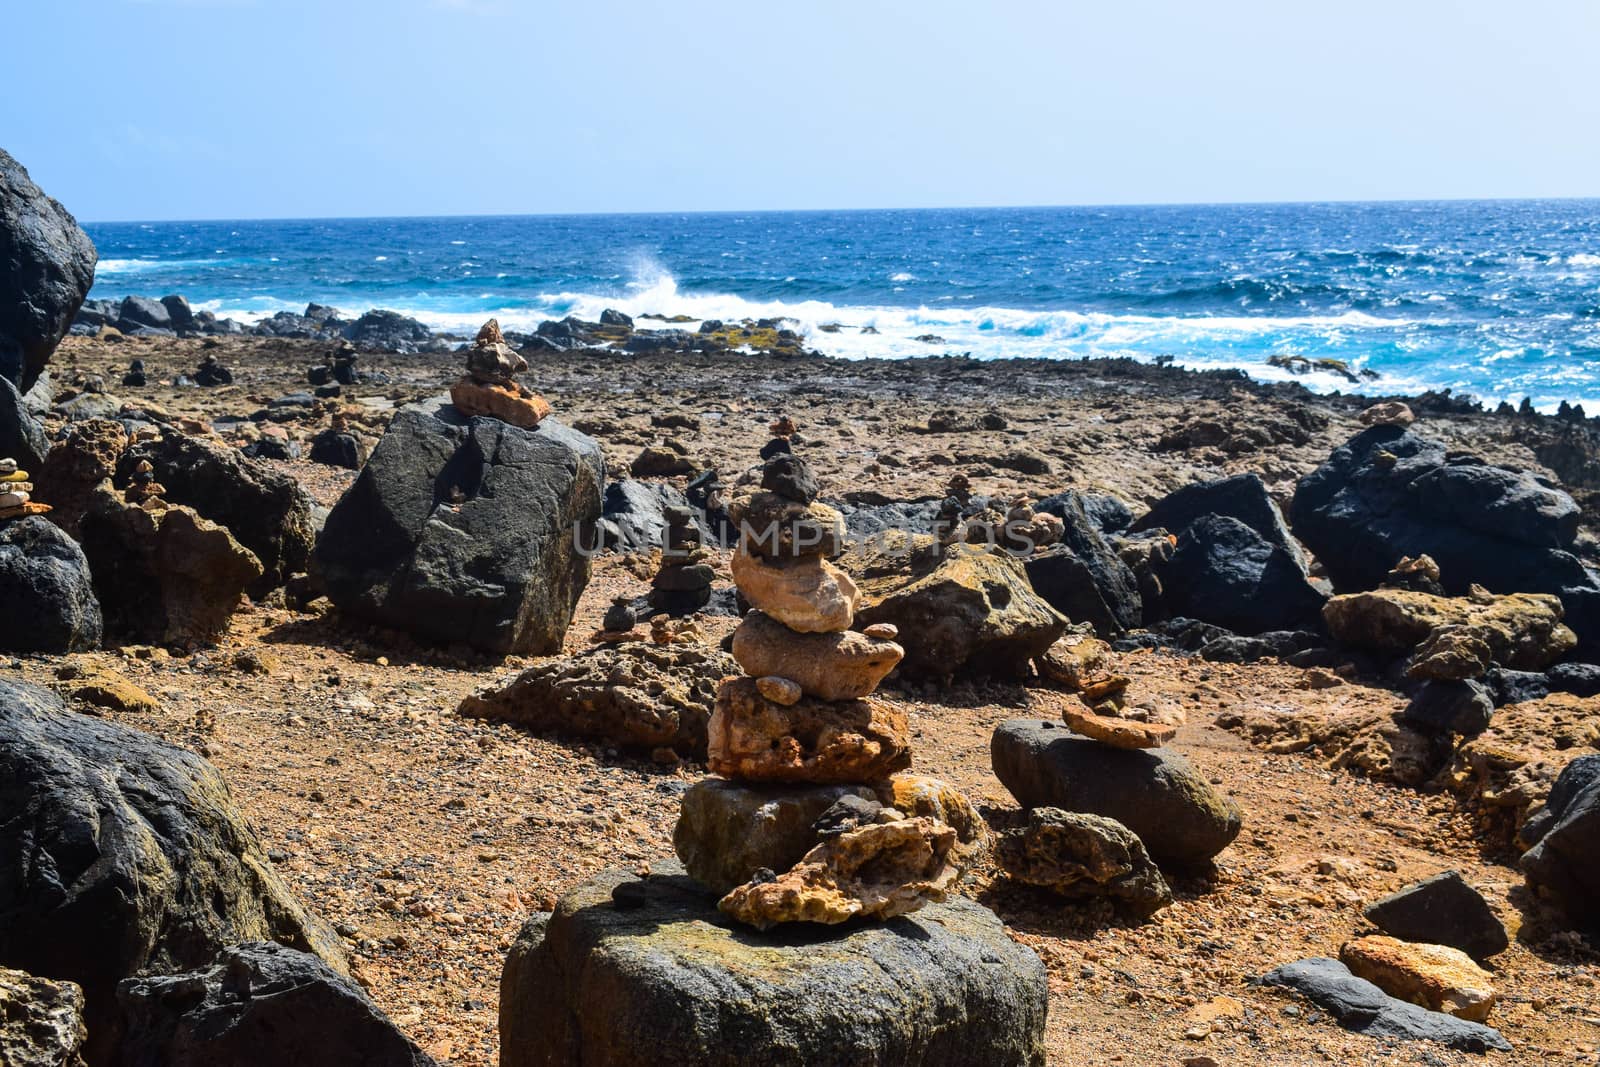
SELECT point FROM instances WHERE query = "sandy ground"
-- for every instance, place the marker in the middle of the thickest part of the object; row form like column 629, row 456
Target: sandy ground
column 428, row 838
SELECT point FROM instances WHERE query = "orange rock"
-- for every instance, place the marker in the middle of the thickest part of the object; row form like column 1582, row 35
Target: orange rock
column 1437, row 977
column 1119, row 733
column 755, row 739
column 509, row 403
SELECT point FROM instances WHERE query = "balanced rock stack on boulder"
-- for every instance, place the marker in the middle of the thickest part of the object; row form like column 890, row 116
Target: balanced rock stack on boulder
column 490, row 386
column 683, row 584
column 808, row 827
column 465, row 527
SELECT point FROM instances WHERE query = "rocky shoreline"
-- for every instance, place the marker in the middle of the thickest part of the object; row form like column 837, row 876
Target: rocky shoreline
column 359, row 700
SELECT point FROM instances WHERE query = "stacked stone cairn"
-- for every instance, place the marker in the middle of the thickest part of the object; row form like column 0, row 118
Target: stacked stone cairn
column 808, row 821
column 143, row 489
column 682, row 586
column 490, row 386
column 15, row 490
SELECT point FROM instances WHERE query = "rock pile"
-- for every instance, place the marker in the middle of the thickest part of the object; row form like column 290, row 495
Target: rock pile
column 211, row 372
column 16, row 500
column 683, row 584
column 801, row 730
column 490, row 386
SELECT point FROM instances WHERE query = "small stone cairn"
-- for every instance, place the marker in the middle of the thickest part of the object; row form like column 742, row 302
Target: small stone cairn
column 143, row 490
column 15, row 490
column 805, row 822
column 682, row 585
column 490, row 386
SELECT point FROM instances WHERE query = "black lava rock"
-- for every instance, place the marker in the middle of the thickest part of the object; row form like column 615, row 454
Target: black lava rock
column 1563, row 865
column 1450, row 707
column 46, row 590
column 790, row 477
column 1442, row 910
column 1226, row 573
column 46, row 268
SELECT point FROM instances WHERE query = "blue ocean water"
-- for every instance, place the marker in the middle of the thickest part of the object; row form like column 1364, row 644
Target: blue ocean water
column 1497, row 298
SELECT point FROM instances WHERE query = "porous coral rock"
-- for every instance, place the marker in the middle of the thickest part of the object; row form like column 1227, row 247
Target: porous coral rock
column 750, row 737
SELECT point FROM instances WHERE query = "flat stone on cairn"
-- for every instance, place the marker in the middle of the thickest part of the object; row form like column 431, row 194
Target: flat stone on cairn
column 490, row 386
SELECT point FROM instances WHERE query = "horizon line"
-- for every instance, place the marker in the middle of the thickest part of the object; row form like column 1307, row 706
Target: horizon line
column 856, row 210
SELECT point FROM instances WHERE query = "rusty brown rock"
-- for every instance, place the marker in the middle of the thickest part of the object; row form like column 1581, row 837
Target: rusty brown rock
column 509, row 403
column 1437, row 977
column 876, row 871
column 1119, row 733
column 844, row 665
column 808, row 594
column 755, row 739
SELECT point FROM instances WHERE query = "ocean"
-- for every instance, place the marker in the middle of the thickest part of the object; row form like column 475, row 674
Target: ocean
column 1500, row 299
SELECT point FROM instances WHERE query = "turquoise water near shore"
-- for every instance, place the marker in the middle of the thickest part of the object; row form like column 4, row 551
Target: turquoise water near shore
column 1496, row 298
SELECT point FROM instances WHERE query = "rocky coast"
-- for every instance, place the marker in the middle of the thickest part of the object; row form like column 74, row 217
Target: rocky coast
column 1267, row 731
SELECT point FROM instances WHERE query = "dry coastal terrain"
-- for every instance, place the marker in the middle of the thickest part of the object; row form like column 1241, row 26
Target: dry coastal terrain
column 428, row 838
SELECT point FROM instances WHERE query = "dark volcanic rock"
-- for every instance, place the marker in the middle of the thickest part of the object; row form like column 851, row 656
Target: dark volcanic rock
column 1514, row 687
column 1274, row 644
column 1110, row 514
column 267, row 512
column 46, row 590
column 669, row 979
column 1081, row 855
column 21, row 436
column 46, row 268
column 1450, row 707
column 179, row 313
column 1442, row 910
column 467, row 530
column 633, row 516
column 338, row 450
column 1564, row 864
column 143, row 311
column 1575, row 777
column 1225, row 573
column 1243, row 497
column 258, row 1005
column 1389, row 492
column 122, row 854
column 389, row 330
column 1181, row 819
column 1083, row 577
column 1359, row 1005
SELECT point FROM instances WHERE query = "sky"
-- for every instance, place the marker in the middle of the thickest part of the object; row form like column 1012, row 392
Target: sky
column 192, row 109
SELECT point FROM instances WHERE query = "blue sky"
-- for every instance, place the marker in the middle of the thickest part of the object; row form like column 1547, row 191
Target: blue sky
column 147, row 109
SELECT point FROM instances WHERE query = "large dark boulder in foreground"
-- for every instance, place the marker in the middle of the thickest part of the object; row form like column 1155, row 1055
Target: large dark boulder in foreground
column 1359, row 1005
column 46, row 269
column 21, row 436
column 467, row 530
column 973, row 611
column 46, row 590
column 1227, row 574
column 259, row 1004
column 121, row 854
column 1083, row 577
column 1243, row 497
column 266, row 512
column 41, row 1021
column 1563, row 865
column 1390, row 492
column 656, row 974
column 1442, row 910
column 1154, row 792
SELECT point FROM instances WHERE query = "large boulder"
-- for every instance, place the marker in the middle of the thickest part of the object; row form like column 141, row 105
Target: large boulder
column 1389, row 492
column 1453, row 637
column 1563, row 866
column 266, row 511
column 121, row 854
column 972, row 611
column 1181, row 819
column 467, row 531
column 1082, row 576
column 662, row 976
column 259, row 1004
column 41, row 1021
column 143, row 311
column 1227, row 574
column 21, row 436
column 47, row 591
column 164, row 575
column 389, row 330
column 1243, row 497
column 632, row 694
column 633, row 517
column 79, row 465
column 46, row 269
